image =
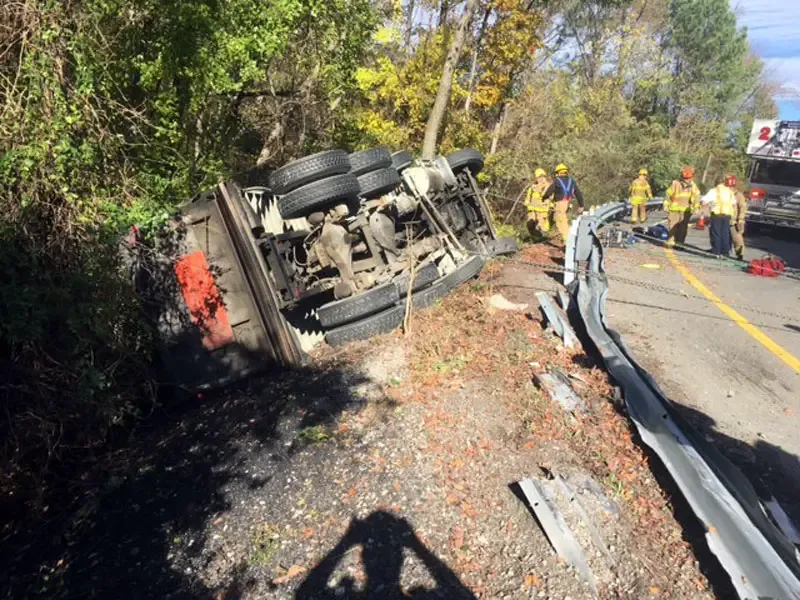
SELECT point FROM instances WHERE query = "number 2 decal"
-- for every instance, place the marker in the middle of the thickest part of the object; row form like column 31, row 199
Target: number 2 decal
column 763, row 135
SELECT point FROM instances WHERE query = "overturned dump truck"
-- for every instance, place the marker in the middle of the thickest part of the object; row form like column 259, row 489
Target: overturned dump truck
column 332, row 248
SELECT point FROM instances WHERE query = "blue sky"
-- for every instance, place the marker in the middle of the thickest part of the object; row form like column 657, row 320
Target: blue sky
column 773, row 27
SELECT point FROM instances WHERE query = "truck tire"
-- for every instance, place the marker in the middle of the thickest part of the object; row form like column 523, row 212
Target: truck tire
column 319, row 194
column 383, row 322
column 402, row 160
column 502, row 246
column 373, row 159
column 358, row 307
column 377, row 183
column 308, row 169
column 468, row 159
column 446, row 284
column 425, row 276
column 392, row 318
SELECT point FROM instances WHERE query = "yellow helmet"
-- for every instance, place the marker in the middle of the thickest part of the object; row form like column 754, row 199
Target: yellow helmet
column 643, row 172
column 540, row 173
column 562, row 168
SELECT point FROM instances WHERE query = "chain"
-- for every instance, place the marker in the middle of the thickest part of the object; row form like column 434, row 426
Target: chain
column 650, row 286
column 790, row 272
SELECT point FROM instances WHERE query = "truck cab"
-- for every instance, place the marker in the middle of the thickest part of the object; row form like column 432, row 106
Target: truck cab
column 773, row 197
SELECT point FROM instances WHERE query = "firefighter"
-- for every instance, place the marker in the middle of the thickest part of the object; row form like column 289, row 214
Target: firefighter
column 682, row 198
column 538, row 207
column 722, row 202
column 563, row 190
column 640, row 193
column 737, row 222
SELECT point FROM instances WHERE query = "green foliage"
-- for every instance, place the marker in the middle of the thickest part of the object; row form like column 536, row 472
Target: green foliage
column 264, row 543
column 658, row 85
column 710, row 67
column 314, row 434
column 399, row 83
column 113, row 111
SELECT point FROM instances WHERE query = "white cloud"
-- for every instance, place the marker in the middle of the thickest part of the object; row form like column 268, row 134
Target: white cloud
column 786, row 73
column 774, row 35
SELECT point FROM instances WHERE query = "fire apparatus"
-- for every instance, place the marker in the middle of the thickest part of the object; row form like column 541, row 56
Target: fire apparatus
column 774, row 194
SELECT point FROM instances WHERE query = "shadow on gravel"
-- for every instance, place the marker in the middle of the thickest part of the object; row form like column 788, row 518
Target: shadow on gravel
column 384, row 539
column 116, row 530
column 692, row 530
column 772, row 471
column 780, row 242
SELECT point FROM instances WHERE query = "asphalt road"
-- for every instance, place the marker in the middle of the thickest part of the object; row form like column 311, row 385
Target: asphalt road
column 732, row 384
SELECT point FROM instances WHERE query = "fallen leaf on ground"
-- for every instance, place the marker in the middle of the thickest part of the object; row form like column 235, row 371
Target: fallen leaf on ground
column 293, row 572
column 457, row 538
column 532, row 580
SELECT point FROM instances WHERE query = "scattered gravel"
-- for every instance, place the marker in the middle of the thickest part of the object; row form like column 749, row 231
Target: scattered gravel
column 386, row 470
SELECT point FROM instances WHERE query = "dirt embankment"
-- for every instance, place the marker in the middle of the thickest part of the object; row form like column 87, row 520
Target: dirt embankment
column 385, row 471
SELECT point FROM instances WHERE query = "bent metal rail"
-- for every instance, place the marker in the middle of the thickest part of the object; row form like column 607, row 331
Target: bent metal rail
column 759, row 559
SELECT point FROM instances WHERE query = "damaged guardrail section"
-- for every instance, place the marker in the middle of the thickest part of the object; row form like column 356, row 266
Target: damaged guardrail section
column 761, row 562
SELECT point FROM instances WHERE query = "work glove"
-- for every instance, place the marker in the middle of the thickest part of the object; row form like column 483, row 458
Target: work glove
column 739, row 227
column 579, row 210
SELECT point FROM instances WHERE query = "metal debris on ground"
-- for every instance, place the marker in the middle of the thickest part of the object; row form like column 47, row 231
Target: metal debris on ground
column 500, row 302
column 557, row 320
column 615, row 237
column 557, row 385
column 577, row 504
column 540, row 495
column 759, row 559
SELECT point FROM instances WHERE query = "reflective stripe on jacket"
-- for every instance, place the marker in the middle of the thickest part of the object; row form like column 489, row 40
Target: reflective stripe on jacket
column 534, row 198
column 681, row 197
column 640, row 191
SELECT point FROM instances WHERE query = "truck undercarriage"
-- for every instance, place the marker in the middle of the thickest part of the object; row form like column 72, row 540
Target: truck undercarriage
column 335, row 247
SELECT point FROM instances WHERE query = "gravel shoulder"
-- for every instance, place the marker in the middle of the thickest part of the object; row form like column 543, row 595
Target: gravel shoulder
column 386, row 470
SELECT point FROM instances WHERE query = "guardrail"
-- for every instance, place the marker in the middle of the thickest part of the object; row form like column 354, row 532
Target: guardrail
column 759, row 559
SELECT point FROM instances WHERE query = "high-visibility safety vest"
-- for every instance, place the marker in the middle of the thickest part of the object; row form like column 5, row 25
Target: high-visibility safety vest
column 640, row 191
column 534, row 200
column 680, row 197
column 724, row 200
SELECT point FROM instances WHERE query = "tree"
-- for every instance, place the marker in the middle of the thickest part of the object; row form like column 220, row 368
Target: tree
column 446, row 82
column 111, row 113
column 710, row 66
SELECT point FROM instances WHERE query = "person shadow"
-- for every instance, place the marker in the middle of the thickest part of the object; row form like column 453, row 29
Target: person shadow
column 384, row 537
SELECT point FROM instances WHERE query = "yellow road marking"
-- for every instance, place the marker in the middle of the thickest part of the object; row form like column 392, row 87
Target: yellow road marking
column 734, row 316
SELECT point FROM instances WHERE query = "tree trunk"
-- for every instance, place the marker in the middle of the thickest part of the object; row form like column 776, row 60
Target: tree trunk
column 708, row 166
column 410, row 25
column 474, row 69
column 444, row 8
column 446, row 83
column 268, row 149
column 497, row 127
